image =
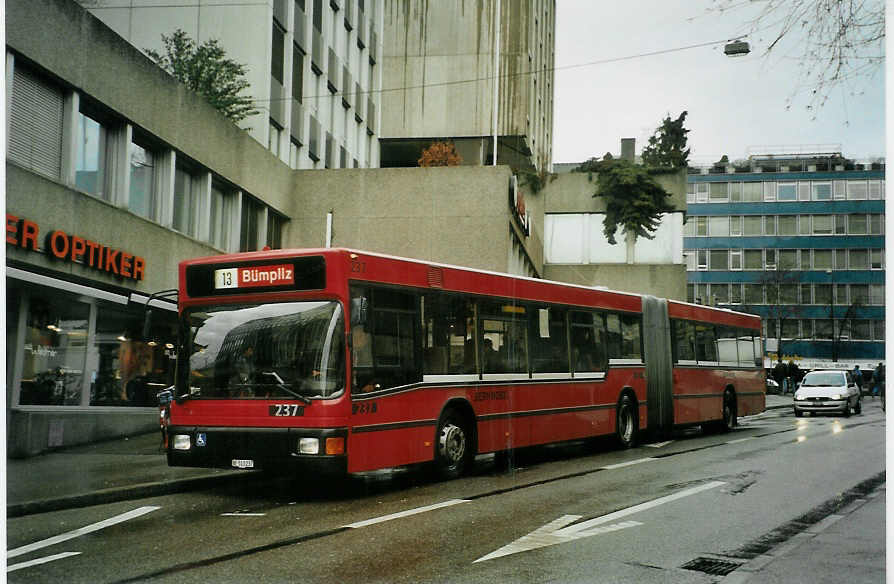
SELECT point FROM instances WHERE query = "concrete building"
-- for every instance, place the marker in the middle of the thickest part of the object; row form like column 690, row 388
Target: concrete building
column 576, row 250
column 313, row 68
column 449, row 73
column 115, row 173
column 797, row 237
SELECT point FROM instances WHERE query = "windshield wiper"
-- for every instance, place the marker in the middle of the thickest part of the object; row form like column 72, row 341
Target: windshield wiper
column 282, row 385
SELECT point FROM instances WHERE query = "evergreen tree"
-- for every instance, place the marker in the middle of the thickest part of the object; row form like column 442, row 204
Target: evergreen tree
column 205, row 69
column 667, row 146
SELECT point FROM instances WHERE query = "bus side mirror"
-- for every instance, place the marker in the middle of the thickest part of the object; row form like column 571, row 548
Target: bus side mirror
column 359, row 309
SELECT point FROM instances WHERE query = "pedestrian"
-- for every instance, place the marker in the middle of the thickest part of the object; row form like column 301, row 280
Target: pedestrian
column 858, row 378
column 878, row 377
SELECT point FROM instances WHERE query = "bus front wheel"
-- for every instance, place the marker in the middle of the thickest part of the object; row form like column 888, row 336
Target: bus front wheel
column 626, row 423
column 453, row 451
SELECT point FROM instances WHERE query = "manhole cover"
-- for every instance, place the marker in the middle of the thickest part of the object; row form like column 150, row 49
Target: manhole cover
column 711, row 566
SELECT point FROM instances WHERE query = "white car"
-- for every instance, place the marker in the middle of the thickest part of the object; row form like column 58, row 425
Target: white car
column 828, row 391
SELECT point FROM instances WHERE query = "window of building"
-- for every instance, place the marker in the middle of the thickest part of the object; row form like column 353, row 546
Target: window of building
column 142, row 198
column 858, row 259
column 823, row 328
column 719, row 192
column 277, row 48
column 857, row 224
column 822, row 259
column 787, row 191
column 804, row 225
column 840, row 259
column 875, row 190
column 822, row 294
column 753, row 259
column 839, row 190
column 877, row 294
column 878, row 330
column 297, row 73
column 735, row 294
column 735, row 192
column 790, row 329
column 720, row 293
column 701, row 192
column 186, row 191
column 690, row 191
column 771, row 328
column 822, row 191
column 92, row 156
column 876, row 224
column 130, row 371
column 754, row 293
column 787, row 225
column 859, row 294
column 735, row 259
column 788, row 259
column 840, row 224
column 35, row 123
column 770, row 259
column 752, row 192
column 803, row 191
column 55, row 350
column 249, row 224
column 223, row 202
column 770, row 191
column 718, row 226
column 861, row 330
column 770, row 225
column 735, row 226
column 823, row 224
column 275, row 222
column 294, row 154
column 877, row 259
column 788, row 293
column 806, row 294
column 753, row 225
column 274, row 137
column 701, row 294
column 702, row 259
column 857, row 190
column 719, row 259
column 701, row 226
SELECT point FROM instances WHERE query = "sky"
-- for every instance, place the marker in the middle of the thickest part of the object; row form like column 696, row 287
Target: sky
column 735, row 106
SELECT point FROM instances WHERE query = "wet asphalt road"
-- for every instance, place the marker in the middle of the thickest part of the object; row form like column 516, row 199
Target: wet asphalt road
column 575, row 513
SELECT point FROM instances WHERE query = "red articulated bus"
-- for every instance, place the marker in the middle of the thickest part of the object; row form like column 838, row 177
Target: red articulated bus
column 349, row 361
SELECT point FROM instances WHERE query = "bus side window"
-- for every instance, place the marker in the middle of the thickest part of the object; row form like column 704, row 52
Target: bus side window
column 588, row 347
column 631, row 337
column 549, row 340
column 684, row 341
column 613, row 327
column 447, row 329
column 394, row 347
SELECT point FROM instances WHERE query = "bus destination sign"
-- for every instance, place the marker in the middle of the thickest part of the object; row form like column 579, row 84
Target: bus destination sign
column 254, row 276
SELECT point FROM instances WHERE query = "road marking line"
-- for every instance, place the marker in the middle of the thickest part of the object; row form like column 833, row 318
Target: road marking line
column 243, row 514
column 628, row 463
column 79, row 532
column 659, row 444
column 740, row 440
column 556, row 531
column 39, row 561
column 406, row 513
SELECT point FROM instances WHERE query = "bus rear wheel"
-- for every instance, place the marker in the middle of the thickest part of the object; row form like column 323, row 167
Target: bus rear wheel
column 453, row 451
column 626, row 423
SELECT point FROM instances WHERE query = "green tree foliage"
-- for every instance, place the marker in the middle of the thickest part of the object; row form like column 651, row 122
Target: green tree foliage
column 633, row 200
column 667, row 146
column 205, row 69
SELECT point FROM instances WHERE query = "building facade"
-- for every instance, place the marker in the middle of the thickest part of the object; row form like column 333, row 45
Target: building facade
column 449, row 73
column 313, row 68
column 115, row 172
column 799, row 239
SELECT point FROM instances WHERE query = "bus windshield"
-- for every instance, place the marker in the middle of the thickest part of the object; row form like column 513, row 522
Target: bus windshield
column 288, row 350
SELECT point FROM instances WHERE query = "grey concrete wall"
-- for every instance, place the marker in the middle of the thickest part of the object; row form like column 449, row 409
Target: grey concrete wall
column 54, row 206
column 573, row 192
column 456, row 215
column 84, row 53
column 665, row 281
column 33, row 432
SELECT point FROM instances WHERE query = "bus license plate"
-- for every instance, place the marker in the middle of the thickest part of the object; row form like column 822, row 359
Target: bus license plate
column 285, row 410
column 243, row 463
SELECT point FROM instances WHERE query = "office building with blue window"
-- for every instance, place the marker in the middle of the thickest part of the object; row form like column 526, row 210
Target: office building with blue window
column 799, row 239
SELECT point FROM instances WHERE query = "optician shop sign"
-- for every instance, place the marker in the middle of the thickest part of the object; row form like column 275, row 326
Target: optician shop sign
column 63, row 246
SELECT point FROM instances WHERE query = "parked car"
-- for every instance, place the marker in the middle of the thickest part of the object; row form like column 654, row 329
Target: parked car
column 772, row 386
column 828, row 391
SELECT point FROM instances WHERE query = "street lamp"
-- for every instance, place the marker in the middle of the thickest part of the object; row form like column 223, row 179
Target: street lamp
column 832, row 315
column 736, row 48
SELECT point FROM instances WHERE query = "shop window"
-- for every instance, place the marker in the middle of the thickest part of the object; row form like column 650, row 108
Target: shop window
column 130, row 371
column 54, row 352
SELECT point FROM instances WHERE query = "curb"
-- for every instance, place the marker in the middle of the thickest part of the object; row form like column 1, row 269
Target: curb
column 116, row 494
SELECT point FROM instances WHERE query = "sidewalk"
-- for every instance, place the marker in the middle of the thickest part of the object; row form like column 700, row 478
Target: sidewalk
column 118, row 470
column 114, row 470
